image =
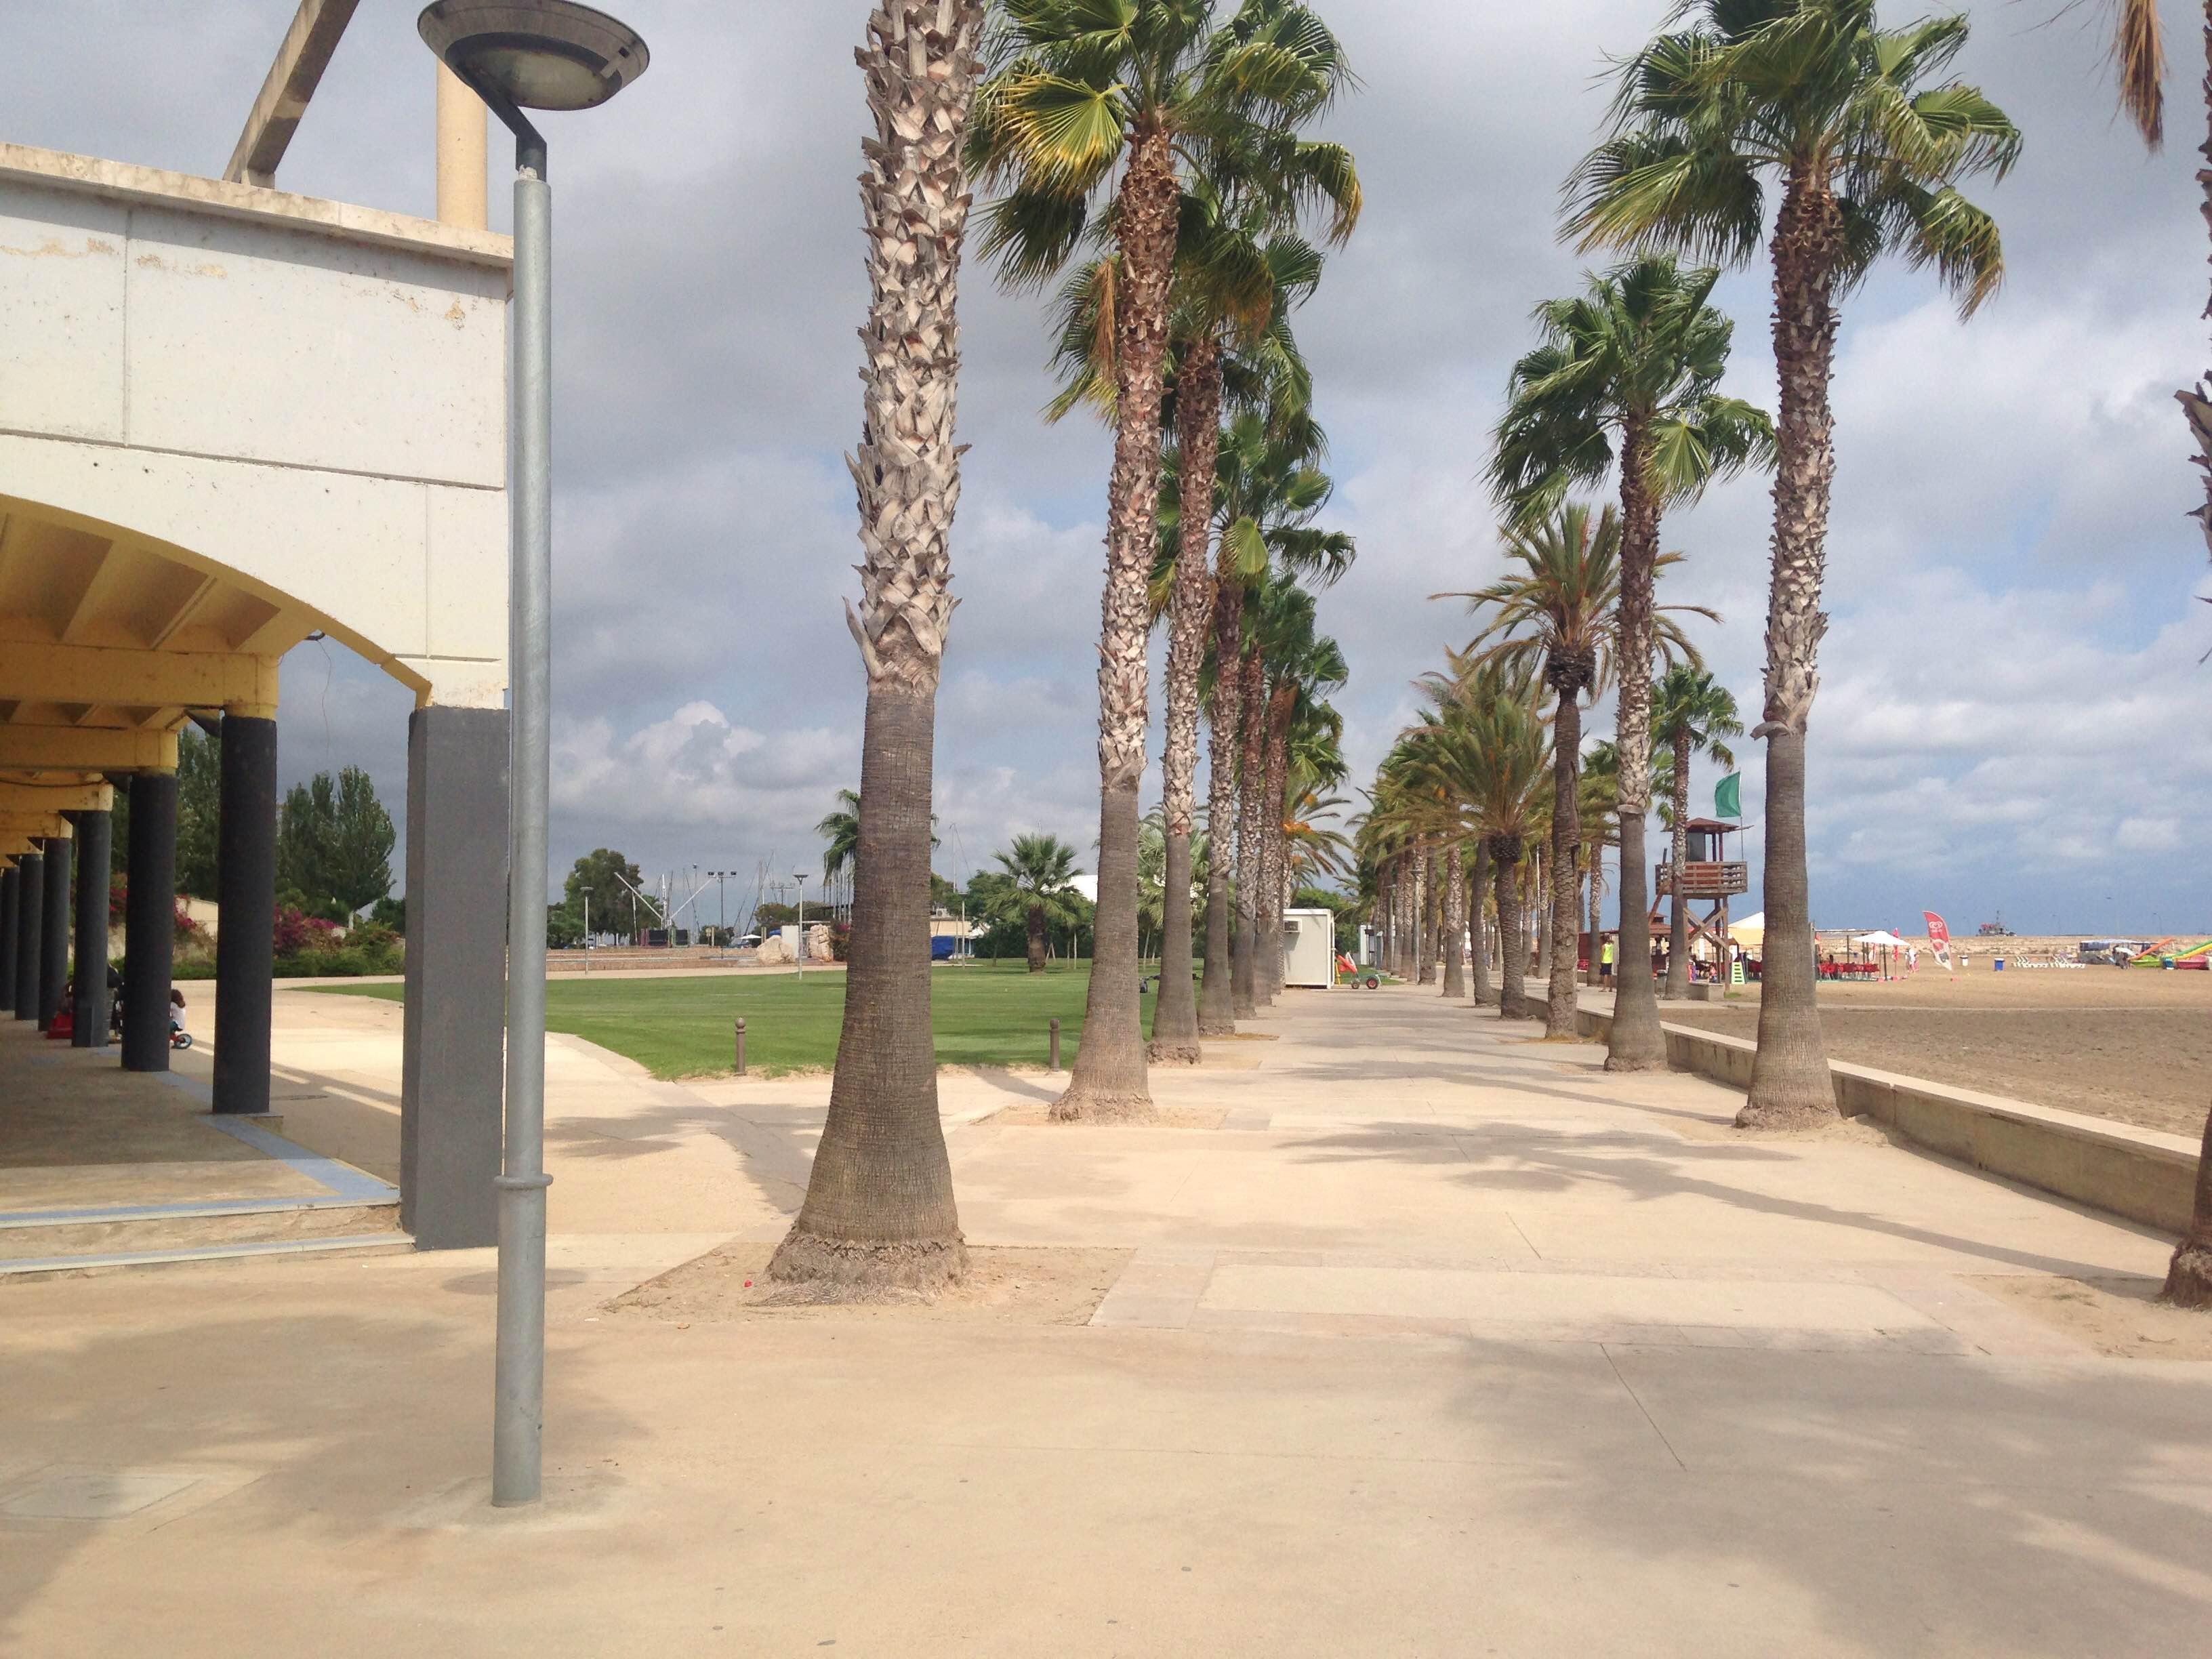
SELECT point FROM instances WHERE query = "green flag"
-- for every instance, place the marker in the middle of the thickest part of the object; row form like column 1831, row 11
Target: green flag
column 1728, row 799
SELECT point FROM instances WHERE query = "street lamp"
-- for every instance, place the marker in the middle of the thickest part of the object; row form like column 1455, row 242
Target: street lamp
column 587, row 892
column 798, row 877
column 518, row 55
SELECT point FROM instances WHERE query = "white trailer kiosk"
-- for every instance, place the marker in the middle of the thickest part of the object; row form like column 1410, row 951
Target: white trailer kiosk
column 1309, row 949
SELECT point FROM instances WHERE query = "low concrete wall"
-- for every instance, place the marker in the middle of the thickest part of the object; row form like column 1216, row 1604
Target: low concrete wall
column 2140, row 1173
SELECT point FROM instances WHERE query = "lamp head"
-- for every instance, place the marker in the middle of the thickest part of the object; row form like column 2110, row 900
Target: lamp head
column 536, row 54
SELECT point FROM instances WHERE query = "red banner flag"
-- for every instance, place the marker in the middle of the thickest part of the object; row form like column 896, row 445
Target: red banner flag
column 1939, row 940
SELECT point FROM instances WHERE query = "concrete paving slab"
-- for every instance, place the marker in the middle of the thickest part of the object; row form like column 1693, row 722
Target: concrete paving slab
column 1474, row 1348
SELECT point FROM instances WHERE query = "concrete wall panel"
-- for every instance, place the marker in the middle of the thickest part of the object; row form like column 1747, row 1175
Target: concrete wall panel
column 466, row 601
column 258, row 343
column 62, row 265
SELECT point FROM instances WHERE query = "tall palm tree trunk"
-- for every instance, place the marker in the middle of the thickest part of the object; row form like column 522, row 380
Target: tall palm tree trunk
column 1789, row 1081
column 1596, row 973
column 1635, row 1042
column 1541, row 911
column 1198, row 436
column 879, row 1214
column 1251, row 775
column 1512, row 987
column 2189, row 1276
column 1677, row 920
column 1274, row 848
column 1037, row 946
column 1109, row 1079
column 1216, row 1007
column 1563, row 1004
column 1478, row 879
column 1454, row 925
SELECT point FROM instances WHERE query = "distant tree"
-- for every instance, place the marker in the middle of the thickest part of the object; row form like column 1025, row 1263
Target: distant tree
column 606, row 873
column 390, row 913
column 565, row 928
column 359, row 858
column 199, row 806
column 307, row 827
column 1036, row 879
column 334, row 842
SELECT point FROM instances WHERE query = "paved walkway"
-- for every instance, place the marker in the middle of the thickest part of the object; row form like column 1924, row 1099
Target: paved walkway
column 1442, row 1342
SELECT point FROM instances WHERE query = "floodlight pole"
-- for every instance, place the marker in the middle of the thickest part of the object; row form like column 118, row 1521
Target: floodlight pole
column 519, row 1368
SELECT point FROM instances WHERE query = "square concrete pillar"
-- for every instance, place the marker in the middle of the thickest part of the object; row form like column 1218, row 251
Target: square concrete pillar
column 452, row 1077
column 11, row 887
column 88, row 1014
column 150, row 922
column 54, row 930
column 30, row 911
column 245, row 889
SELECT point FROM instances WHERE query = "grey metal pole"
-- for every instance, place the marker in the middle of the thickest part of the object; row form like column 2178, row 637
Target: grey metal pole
column 519, row 1386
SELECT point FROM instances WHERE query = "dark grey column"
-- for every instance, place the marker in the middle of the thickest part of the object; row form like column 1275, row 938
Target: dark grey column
column 245, row 889
column 94, row 844
column 452, row 1081
column 54, row 932
column 150, row 922
column 11, row 884
column 30, row 909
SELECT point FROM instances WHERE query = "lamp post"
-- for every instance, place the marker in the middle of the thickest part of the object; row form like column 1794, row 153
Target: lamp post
column 518, row 55
column 798, row 879
column 587, row 892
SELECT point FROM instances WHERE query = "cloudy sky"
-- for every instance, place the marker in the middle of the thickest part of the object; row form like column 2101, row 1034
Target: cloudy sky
column 2013, row 713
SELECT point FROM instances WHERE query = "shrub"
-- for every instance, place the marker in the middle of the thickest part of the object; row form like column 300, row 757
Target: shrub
column 840, row 940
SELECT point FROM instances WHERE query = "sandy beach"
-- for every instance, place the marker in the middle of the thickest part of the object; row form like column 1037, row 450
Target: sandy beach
column 2133, row 1044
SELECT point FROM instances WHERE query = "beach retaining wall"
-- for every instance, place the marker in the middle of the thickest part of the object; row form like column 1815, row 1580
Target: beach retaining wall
column 2142, row 1175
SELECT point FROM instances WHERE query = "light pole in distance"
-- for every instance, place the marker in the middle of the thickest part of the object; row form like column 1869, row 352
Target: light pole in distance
column 587, row 892
column 518, row 55
column 798, row 880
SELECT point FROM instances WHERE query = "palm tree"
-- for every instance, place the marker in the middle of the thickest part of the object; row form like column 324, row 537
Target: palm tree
column 1483, row 756
column 1600, row 807
column 1813, row 94
column 879, row 1215
column 840, row 828
column 1232, row 340
column 1626, row 377
column 1559, row 616
column 1692, row 716
column 2139, row 52
column 1039, row 874
column 1080, row 88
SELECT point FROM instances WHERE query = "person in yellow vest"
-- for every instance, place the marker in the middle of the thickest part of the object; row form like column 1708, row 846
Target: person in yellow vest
column 1605, row 962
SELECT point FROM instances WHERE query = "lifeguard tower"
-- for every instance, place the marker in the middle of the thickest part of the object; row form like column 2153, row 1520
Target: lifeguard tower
column 1708, row 875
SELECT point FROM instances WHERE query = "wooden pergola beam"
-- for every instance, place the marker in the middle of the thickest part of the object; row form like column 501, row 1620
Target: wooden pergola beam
column 57, row 797
column 46, row 826
column 85, row 748
column 103, row 677
column 316, row 29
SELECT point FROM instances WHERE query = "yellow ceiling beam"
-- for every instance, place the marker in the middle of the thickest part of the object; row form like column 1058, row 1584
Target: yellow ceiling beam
column 57, row 797
column 14, row 846
column 47, row 826
column 85, row 749
column 104, row 675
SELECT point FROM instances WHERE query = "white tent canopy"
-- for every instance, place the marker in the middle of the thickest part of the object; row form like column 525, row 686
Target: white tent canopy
column 1888, row 941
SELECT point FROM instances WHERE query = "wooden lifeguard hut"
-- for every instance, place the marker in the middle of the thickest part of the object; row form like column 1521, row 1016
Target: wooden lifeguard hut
column 1707, row 875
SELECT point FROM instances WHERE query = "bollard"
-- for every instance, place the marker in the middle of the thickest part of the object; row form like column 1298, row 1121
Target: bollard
column 741, row 1046
column 1055, row 1045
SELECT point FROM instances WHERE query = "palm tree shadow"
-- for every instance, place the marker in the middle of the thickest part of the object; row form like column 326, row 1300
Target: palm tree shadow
column 1906, row 1504
column 300, row 1405
column 1648, row 1168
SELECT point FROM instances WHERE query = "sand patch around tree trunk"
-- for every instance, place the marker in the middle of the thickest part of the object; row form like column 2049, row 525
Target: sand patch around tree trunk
column 2120, row 1318
column 1004, row 1286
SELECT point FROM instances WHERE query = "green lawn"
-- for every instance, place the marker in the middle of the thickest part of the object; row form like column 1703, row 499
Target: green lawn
column 984, row 1015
